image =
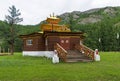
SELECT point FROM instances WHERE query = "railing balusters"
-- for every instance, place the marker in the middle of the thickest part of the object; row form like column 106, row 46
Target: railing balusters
column 85, row 50
column 62, row 53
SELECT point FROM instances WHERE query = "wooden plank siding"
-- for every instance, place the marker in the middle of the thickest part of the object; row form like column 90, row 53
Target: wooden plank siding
column 37, row 44
column 41, row 44
column 52, row 40
column 73, row 42
column 39, row 40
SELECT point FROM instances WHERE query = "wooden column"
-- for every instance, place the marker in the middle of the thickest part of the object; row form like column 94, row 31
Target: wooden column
column 46, row 44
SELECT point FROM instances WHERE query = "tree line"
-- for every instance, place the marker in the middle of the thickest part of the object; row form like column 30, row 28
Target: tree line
column 103, row 35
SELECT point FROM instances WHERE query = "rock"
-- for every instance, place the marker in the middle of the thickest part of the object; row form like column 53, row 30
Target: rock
column 76, row 12
column 90, row 19
column 109, row 10
column 92, row 10
column 65, row 15
column 117, row 24
column 75, row 16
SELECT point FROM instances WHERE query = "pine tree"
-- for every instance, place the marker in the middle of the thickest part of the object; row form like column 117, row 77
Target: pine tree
column 12, row 19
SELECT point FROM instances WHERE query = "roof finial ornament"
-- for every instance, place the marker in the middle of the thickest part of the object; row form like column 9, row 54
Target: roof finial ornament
column 50, row 15
column 53, row 14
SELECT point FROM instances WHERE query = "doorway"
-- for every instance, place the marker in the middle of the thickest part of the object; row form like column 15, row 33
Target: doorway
column 65, row 42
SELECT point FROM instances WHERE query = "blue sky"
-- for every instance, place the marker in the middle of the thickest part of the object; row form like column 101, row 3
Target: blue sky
column 34, row 11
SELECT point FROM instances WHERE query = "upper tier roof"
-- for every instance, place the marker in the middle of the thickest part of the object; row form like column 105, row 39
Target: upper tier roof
column 53, row 25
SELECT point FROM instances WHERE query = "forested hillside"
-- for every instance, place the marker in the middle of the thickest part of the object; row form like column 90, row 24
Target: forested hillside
column 101, row 27
column 21, row 30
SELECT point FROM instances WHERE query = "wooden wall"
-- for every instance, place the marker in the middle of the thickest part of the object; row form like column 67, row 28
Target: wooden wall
column 52, row 40
column 37, row 44
column 74, row 41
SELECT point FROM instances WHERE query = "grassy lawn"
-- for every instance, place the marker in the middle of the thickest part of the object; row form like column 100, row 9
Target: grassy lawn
column 19, row 68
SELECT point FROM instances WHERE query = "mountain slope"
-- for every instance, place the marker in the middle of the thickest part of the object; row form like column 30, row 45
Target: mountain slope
column 91, row 16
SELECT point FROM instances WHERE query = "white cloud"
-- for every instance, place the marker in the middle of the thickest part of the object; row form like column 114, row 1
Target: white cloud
column 34, row 11
column 104, row 3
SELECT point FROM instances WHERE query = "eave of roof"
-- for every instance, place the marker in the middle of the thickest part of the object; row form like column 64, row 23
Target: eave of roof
column 31, row 34
column 50, row 33
column 62, row 33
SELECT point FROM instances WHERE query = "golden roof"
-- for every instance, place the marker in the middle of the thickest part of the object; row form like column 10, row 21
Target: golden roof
column 53, row 25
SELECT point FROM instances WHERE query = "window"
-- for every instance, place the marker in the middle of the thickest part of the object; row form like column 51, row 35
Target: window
column 29, row 42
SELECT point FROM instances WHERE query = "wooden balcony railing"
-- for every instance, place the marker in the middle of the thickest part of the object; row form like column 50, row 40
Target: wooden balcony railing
column 62, row 53
column 85, row 50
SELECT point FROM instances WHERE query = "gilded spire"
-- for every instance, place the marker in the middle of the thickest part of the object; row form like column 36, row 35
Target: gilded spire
column 50, row 15
column 53, row 16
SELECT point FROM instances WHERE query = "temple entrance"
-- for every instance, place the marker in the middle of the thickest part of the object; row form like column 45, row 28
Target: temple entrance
column 65, row 43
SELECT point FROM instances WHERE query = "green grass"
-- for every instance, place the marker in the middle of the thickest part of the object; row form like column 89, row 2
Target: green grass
column 19, row 68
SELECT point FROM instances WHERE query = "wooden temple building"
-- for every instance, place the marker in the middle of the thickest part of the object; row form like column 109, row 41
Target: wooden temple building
column 57, row 37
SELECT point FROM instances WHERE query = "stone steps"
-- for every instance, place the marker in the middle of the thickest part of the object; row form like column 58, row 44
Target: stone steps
column 79, row 60
column 76, row 56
